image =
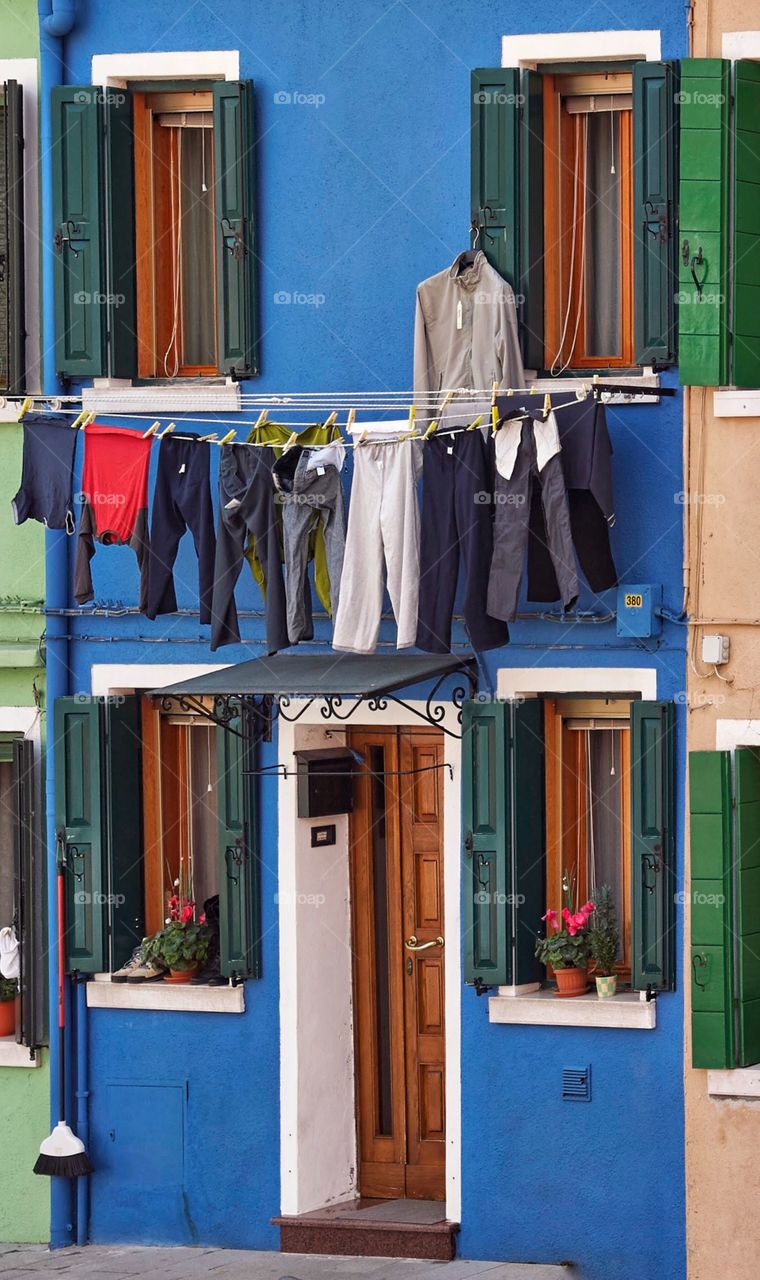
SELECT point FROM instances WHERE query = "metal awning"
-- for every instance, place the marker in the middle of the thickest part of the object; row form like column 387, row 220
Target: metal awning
column 343, row 681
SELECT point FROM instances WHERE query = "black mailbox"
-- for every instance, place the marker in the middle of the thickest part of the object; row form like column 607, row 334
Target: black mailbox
column 325, row 781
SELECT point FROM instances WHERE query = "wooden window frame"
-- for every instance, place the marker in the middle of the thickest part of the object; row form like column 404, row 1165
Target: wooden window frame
column 561, row 807
column 559, row 175
column 155, row 269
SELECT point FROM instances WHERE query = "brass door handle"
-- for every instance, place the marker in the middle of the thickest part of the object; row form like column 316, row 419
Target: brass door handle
column 412, row 944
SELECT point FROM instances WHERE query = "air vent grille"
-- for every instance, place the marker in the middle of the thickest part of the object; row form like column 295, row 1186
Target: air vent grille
column 576, row 1084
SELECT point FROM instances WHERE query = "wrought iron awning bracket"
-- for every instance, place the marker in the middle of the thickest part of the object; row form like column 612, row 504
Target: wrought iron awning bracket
column 224, row 709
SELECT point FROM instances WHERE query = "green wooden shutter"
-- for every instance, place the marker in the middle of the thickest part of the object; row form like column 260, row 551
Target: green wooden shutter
column 528, row 852
column 79, row 829
column 485, row 745
column 747, row 923
column 506, row 191
column 29, row 876
column 235, row 208
column 746, row 230
column 12, row 314
column 239, row 906
column 653, row 844
column 703, row 232
column 78, row 230
column 123, row 807
column 121, row 296
column 654, row 155
column 711, row 913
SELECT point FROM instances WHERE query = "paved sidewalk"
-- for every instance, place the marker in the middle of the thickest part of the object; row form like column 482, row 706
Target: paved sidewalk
column 20, row 1262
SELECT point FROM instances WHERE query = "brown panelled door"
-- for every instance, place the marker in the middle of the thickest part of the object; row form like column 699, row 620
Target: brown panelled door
column 398, row 947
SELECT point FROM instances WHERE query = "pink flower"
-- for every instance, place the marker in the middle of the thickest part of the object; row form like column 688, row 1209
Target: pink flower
column 187, row 912
column 579, row 919
column 566, row 915
column 551, row 918
column 202, row 918
column 587, row 908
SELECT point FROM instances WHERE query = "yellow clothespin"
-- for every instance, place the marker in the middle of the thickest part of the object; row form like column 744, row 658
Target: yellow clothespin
column 475, row 422
column 167, row 430
column 362, row 438
column 534, row 390
column 88, row 418
column 494, row 419
column 151, row 430
column 331, row 420
column 494, row 392
column 26, row 406
column 433, row 427
column 412, row 415
column 259, row 421
column 229, row 436
column 79, row 420
column 547, row 405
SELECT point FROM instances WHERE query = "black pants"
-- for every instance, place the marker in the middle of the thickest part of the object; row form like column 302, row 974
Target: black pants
column 457, row 520
column 182, row 501
column 46, row 472
column 591, row 536
column 247, row 509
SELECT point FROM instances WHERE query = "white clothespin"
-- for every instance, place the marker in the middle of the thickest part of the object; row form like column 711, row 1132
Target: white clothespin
column 350, row 420
column 259, row 421
column 212, row 439
column 331, row 420
column 167, row 430
column 151, row 430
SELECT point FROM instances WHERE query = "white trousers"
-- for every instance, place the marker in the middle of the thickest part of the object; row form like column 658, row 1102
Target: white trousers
column 383, row 530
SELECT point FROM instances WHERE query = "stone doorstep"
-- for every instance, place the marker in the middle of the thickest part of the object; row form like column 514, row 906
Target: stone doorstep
column 346, row 1237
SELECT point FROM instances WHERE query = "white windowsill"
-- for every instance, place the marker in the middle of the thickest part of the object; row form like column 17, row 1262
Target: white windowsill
column 167, row 996
column 113, row 395
column 16, row 1055
column 743, row 1082
column 732, row 403
column 628, row 1009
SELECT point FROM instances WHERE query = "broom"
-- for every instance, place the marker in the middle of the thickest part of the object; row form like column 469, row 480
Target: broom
column 62, row 1155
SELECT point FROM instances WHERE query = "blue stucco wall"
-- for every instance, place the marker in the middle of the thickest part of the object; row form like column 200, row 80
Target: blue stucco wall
column 360, row 198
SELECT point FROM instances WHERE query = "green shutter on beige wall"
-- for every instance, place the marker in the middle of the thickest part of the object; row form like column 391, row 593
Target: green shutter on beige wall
column 654, row 229
column 747, row 925
column 653, row 845
column 703, row 239
column 711, row 910
column 239, row 896
column 234, row 198
column 79, row 830
column 746, row 230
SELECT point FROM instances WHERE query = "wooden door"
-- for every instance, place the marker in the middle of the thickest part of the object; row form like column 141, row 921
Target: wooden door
column 397, row 897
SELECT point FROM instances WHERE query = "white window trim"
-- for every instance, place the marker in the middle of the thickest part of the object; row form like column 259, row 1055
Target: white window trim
column 24, row 70
column 117, row 69
column 531, row 682
column 17, row 1055
column 579, row 46
column 740, row 44
column 102, row 993
column 629, row 1009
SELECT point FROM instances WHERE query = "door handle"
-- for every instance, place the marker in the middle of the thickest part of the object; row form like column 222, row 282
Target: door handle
column 412, row 944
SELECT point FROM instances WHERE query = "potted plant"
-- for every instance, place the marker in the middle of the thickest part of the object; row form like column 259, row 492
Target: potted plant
column 8, row 993
column 567, row 946
column 605, row 939
column 182, row 945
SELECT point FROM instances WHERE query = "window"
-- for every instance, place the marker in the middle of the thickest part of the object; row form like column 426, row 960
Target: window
column 589, row 252
column 137, row 789
column 154, row 217
column 12, row 321
column 22, row 877
column 588, row 795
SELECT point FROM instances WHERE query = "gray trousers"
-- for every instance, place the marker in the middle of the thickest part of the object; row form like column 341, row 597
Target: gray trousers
column 309, row 496
column 511, row 525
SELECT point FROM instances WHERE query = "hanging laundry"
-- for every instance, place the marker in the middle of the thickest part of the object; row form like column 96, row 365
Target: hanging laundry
column 383, row 530
column 114, row 502
column 181, row 501
column 247, row 510
column 465, row 331
column 46, row 472
column 512, row 503
column 310, row 495
column 587, row 468
column 457, row 527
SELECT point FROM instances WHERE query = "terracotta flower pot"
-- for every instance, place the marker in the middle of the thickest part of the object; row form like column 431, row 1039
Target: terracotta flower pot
column 181, row 975
column 606, row 985
column 571, row 982
column 8, row 1018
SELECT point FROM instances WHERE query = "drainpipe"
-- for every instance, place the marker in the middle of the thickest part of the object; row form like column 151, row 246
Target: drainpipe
column 57, row 19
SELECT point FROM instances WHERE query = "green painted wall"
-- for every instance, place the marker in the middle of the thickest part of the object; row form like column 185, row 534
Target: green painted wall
column 20, row 28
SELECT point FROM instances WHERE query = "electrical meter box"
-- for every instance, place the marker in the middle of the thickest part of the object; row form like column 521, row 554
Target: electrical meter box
column 638, row 606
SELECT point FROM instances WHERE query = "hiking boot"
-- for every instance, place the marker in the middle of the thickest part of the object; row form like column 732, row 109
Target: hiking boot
column 134, row 962
column 147, row 971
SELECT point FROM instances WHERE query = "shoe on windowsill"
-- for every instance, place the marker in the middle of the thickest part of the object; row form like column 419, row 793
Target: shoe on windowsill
column 148, row 971
column 128, row 968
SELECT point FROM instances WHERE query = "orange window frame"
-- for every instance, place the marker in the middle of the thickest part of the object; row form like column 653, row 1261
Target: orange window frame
column 156, row 194
column 566, row 824
column 561, row 139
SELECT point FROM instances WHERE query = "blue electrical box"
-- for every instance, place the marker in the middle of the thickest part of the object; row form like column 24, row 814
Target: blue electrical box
column 638, row 606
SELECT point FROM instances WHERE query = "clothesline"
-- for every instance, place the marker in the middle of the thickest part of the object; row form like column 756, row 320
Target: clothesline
column 405, row 395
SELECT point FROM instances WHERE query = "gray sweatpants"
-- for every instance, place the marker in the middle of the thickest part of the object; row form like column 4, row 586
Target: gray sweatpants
column 511, row 525
column 383, row 526
column 309, row 497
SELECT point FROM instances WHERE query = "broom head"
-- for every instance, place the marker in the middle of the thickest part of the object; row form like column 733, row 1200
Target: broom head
column 62, row 1155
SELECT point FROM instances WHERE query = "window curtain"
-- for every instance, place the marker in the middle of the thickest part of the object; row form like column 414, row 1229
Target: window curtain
column 197, row 267
column 602, row 231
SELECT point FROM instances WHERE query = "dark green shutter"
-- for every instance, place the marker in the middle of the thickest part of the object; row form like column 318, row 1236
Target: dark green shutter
column 746, row 267
column 78, row 230
column 120, row 304
column 712, row 953
column 747, row 923
column 654, row 156
column 653, row 844
column 703, row 237
column 123, row 806
column 239, row 907
column 506, row 189
column 485, row 746
column 528, row 852
column 79, row 830
column 234, row 195
column 29, row 895
column 12, row 314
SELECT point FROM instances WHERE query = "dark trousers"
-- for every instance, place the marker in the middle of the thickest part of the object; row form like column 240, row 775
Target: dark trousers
column 457, row 521
column 591, row 536
column 182, row 501
column 247, row 509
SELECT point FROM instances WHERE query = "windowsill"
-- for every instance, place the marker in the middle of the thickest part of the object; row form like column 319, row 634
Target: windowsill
column 742, row 1082
column 114, row 395
column 569, row 382
column 170, row 997
column 16, row 1055
column 627, row 1009
column 733, row 403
